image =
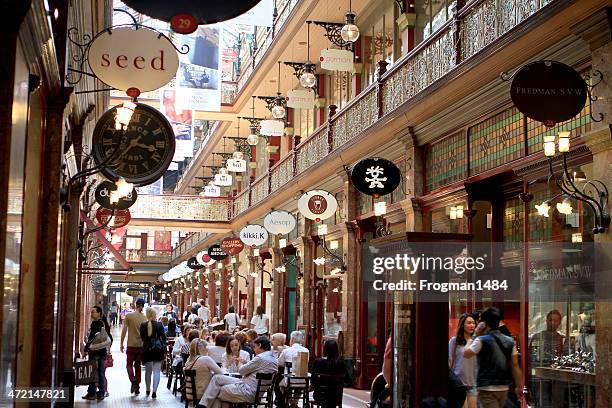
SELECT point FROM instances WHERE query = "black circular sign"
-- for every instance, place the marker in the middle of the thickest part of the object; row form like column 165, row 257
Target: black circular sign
column 193, row 263
column 548, row 91
column 216, row 253
column 141, row 153
column 205, row 12
column 103, row 193
column 376, row 176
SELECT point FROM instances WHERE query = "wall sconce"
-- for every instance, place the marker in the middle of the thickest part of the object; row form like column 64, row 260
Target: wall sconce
column 565, row 207
column 219, row 265
column 380, row 208
column 577, row 238
column 333, row 244
column 233, row 260
column 322, row 230
column 255, row 251
column 282, row 243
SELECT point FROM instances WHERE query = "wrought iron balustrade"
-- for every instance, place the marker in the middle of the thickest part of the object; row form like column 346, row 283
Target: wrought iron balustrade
column 182, row 208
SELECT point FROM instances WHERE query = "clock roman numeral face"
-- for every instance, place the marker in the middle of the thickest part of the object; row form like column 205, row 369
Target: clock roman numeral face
column 141, row 153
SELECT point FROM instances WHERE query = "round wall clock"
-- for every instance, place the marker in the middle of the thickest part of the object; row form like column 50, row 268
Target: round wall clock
column 146, row 146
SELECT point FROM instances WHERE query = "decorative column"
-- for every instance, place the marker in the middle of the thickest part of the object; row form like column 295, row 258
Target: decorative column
column 223, row 306
column 406, row 23
column 251, row 289
column 278, row 289
column 597, row 32
column 413, row 177
column 48, row 253
column 307, row 278
column 212, row 294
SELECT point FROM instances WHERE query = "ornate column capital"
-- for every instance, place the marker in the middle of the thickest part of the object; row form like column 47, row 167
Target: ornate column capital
column 599, row 140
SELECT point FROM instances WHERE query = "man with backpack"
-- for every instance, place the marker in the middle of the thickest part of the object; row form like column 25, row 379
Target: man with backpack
column 497, row 361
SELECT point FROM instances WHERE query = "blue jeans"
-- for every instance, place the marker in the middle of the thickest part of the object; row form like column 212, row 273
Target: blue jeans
column 91, row 390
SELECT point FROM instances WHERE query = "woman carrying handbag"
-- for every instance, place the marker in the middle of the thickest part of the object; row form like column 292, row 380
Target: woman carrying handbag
column 153, row 349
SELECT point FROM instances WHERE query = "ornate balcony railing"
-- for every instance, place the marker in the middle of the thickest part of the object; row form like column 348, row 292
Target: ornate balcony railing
column 146, row 256
column 194, row 208
column 190, row 242
column 312, row 150
column 260, row 189
column 282, row 172
column 241, row 202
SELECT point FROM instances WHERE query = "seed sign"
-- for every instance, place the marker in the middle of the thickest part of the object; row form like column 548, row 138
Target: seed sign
column 548, row 91
column 254, row 235
column 279, row 222
column 317, row 205
column 129, row 59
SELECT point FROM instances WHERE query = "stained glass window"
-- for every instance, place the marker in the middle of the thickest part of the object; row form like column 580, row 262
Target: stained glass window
column 496, row 141
column 536, row 130
column 513, row 223
column 446, row 161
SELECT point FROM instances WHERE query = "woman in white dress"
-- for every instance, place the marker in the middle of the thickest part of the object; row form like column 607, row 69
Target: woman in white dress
column 234, row 357
column 204, row 366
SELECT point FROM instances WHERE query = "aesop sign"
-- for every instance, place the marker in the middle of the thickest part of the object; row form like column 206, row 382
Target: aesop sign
column 548, row 91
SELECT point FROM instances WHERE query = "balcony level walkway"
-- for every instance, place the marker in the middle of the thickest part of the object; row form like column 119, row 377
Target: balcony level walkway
column 120, row 397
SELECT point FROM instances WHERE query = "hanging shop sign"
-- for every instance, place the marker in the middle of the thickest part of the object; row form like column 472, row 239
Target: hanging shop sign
column 279, row 222
column 232, row 246
column 204, row 12
column 132, row 292
column 548, row 91
column 300, row 99
column 121, row 218
column 103, row 196
column 236, row 165
column 217, row 253
column 85, row 372
column 203, row 258
column 125, row 58
column 375, row 176
column 254, row 235
column 194, row 264
column 212, row 191
column 146, row 146
column 337, row 60
column 223, row 180
column 272, row 128
column 317, row 205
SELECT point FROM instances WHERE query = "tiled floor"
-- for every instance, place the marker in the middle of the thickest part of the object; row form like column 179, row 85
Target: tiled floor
column 120, row 397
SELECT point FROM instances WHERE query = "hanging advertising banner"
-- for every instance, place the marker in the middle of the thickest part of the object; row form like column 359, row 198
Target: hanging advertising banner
column 300, row 99
column 272, row 127
column 236, row 165
column 163, row 241
column 262, row 15
column 337, row 60
column 279, row 222
column 125, row 58
column 254, row 235
column 548, row 91
column 198, row 80
column 194, row 264
column 317, row 205
column 103, row 194
column 216, row 253
column 121, row 218
column 375, row 176
column 232, row 246
column 181, row 122
column 203, row 258
column 212, row 191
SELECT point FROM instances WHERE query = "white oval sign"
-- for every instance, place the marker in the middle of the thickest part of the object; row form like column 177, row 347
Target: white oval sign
column 300, row 99
column 317, row 205
column 212, row 191
column 279, row 222
column 254, row 235
column 337, row 60
column 125, row 58
column 223, row 180
column 272, row 128
column 236, row 165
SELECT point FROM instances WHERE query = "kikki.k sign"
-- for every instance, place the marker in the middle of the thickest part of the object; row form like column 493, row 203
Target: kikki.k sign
column 127, row 59
column 254, row 235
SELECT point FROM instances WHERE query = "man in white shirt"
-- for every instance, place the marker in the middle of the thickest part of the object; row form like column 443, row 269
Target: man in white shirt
column 204, row 313
column 231, row 320
column 230, row 389
column 290, row 354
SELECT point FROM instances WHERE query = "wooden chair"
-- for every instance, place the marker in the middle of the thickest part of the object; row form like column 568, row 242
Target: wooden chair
column 297, row 389
column 188, row 390
column 328, row 390
column 263, row 396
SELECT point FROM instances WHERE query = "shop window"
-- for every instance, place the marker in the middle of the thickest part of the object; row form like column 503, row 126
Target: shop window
column 333, row 307
column 340, row 88
column 378, row 39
